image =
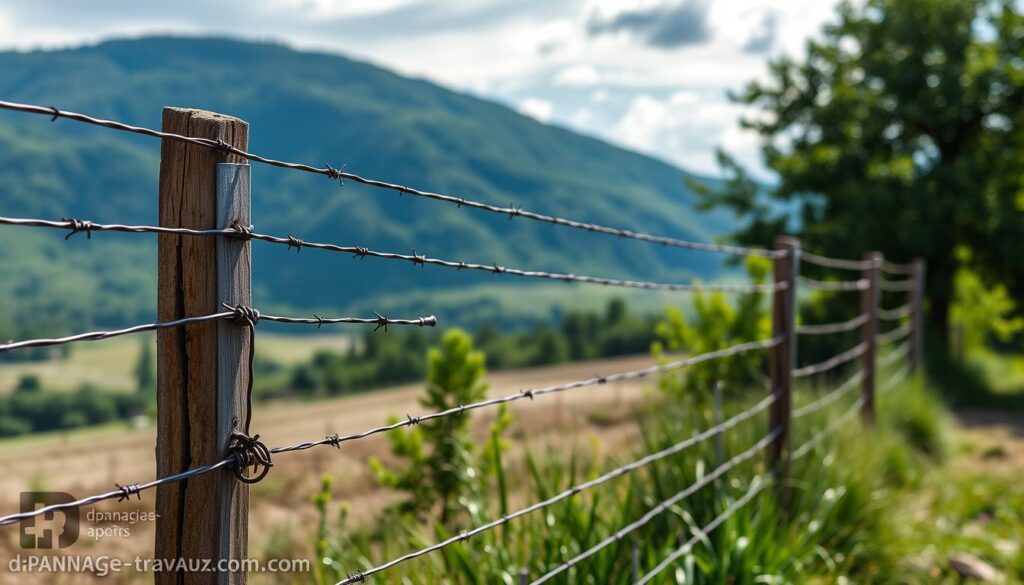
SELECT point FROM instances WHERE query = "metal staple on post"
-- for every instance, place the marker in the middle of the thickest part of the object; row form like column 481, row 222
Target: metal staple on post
column 869, row 306
column 783, row 356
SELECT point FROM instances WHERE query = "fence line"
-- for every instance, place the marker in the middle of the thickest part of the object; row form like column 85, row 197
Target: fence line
column 660, row 508
column 573, row 491
column 832, row 362
column 246, row 452
column 341, row 175
column 830, row 328
column 414, row 258
column 233, row 314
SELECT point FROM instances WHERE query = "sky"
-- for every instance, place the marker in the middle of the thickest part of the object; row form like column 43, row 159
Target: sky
column 650, row 75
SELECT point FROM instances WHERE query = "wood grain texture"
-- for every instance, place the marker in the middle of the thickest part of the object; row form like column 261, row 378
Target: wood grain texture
column 190, row 512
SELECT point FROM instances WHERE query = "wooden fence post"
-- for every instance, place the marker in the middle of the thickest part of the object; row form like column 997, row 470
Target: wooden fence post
column 869, row 307
column 783, row 356
column 202, row 369
column 917, row 300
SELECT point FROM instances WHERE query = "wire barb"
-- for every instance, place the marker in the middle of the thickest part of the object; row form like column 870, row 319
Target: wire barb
column 249, row 452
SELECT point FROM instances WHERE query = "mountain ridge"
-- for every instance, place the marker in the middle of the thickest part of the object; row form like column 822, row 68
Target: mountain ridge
column 326, row 109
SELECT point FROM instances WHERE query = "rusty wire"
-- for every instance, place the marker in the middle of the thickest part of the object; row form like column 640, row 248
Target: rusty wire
column 833, row 285
column 76, row 225
column 361, row 576
column 660, row 508
column 829, row 328
column 756, row 487
column 511, row 211
column 836, row 360
column 229, row 313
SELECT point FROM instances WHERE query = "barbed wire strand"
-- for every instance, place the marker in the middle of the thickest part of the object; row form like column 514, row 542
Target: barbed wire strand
column 830, row 428
column 829, row 397
column 415, row 259
column 898, row 269
column 829, row 328
column 883, row 339
column 895, row 313
column 341, row 175
column 334, row 440
column 832, row 362
column 833, row 285
column 757, row 486
column 900, row 375
column 896, row 285
column 895, row 355
column 661, row 507
column 841, row 263
column 361, row 576
column 380, row 321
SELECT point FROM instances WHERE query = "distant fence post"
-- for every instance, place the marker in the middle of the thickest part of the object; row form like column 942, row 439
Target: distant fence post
column 869, row 307
column 783, row 355
column 917, row 306
column 202, row 368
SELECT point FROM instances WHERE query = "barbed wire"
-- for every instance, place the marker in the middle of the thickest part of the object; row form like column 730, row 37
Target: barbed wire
column 230, row 313
column 900, row 375
column 841, row 263
column 245, row 232
column 341, row 175
column 883, row 339
column 836, row 360
column 895, row 355
column 756, row 487
column 829, row 328
column 896, row 285
column 829, row 397
column 661, row 507
column 335, row 440
column 360, row 577
column 833, row 285
column 830, row 428
column 895, row 313
column 899, row 269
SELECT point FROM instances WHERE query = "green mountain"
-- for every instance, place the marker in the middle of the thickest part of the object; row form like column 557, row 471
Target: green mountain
column 318, row 108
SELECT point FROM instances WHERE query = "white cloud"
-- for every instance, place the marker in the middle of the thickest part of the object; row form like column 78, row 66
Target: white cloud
column 538, row 109
column 578, row 75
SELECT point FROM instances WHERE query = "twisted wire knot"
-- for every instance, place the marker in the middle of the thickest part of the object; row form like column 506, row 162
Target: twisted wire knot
column 56, row 113
column 420, row 259
column 336, row 174
column 361, row 252
column 527, row 393
column 412, row 420
column 128, row 490
column 240, row 231
column 382, row 321
column 223, row 146
column 333, row 440
column 249, row 452
column 78, row 225
column 296, row 243
column 357, row 577
column 243, row 315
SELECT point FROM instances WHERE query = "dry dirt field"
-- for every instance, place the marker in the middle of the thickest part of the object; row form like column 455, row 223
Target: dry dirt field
column 590, row 418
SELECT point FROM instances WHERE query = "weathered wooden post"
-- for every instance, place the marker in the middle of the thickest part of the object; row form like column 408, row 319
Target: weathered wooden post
column 202, row 370
column 783, row 355
column 869, row 300
column 917, row 306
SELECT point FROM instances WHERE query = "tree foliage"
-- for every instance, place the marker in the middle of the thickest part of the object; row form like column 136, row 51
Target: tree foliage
column 901, row 131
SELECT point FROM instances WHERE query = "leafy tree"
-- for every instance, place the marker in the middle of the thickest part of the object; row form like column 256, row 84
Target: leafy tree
column 29, row 383
column 901, row 130
column 980, row 311
column 440, row 466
